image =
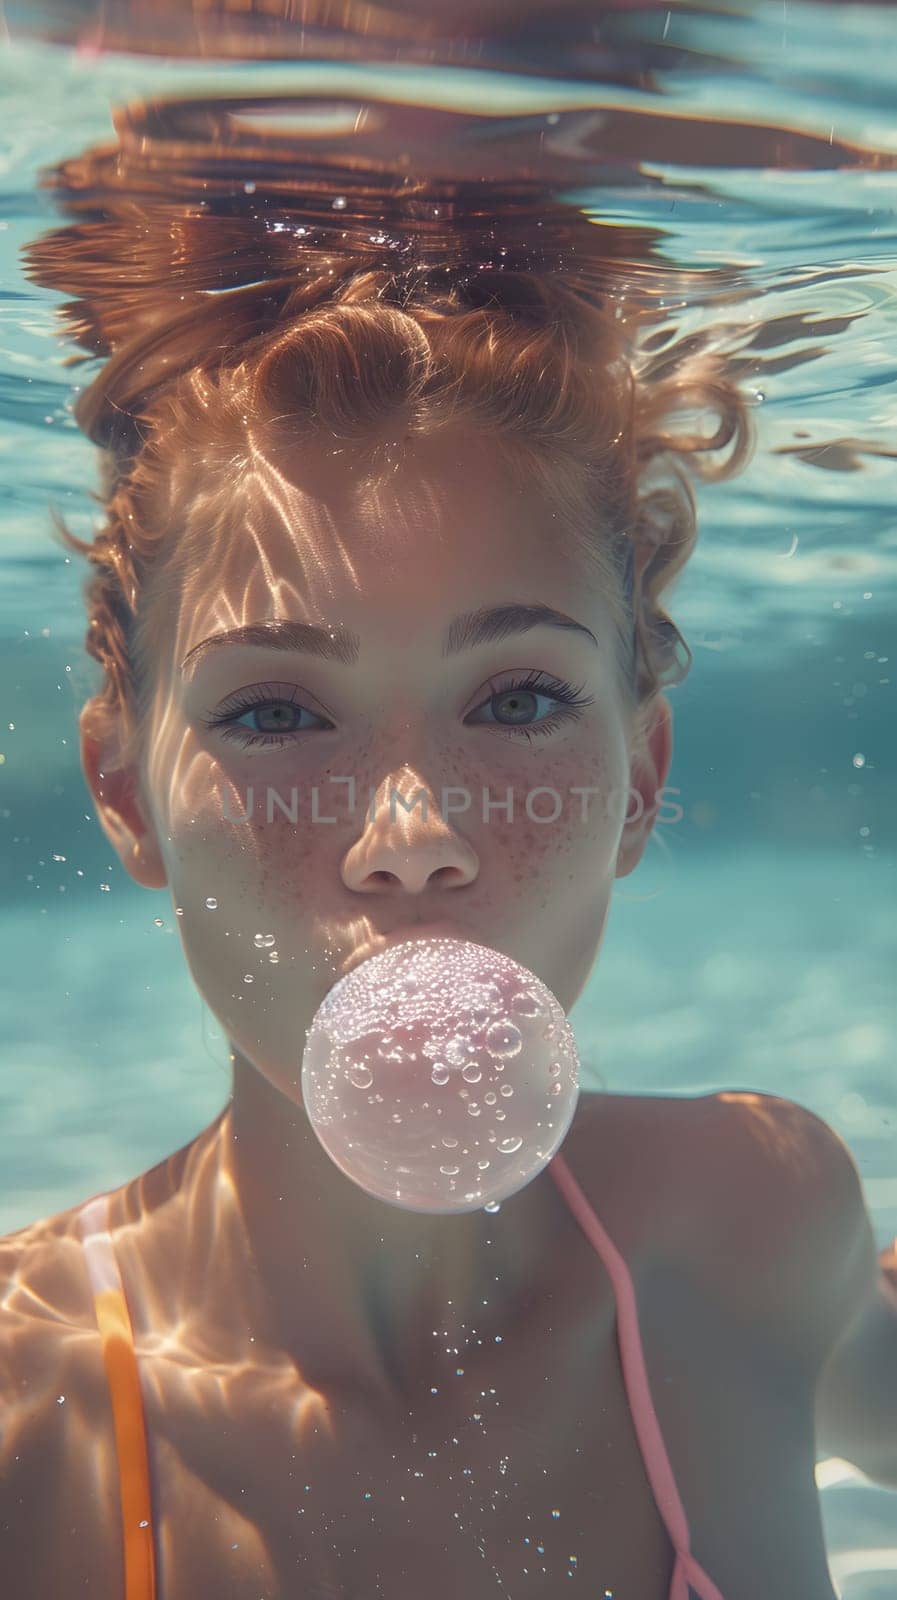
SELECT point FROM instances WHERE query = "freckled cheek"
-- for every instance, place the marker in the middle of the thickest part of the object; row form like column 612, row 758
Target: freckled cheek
column 267, row 879
column 224, row 836
column 593, row 794
column 573, row 805
column 570, row 805
column 275, row 860
column 295, row 864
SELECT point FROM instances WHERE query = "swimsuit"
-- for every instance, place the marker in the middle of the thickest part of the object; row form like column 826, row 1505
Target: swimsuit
column 113, row 1320
column 688, row 1576
column 123, row 1377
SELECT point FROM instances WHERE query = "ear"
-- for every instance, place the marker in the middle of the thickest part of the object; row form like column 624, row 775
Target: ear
column 651, row 754
column 117, row 795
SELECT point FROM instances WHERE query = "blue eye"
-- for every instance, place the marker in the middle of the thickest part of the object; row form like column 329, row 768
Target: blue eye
column 263, row 701
column 284, row 710
column 534, row 687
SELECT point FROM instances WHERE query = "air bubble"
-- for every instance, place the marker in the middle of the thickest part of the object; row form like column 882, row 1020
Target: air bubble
column 211, row 903
column 504, row 1040
column 432, row 1008
column 457, row 1050
column 509, row 1146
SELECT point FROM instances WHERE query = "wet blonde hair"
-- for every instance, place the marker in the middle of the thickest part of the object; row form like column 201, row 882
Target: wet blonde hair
column 555, row 380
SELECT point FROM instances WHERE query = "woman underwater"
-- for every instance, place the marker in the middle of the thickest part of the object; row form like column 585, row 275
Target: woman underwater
column 413, row 528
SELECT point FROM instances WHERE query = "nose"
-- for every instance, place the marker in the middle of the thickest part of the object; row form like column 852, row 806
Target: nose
column 407, row 846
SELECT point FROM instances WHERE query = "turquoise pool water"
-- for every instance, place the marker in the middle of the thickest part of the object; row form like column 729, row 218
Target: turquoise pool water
column 755, row 947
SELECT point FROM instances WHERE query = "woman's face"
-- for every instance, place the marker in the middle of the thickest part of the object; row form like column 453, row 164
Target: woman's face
column 283, row 779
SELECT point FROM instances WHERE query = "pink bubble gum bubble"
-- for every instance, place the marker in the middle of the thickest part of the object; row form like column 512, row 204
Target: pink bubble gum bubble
column 440, row 1075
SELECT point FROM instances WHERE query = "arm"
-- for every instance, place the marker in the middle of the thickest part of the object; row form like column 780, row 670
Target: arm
column 856, row 1391
column 887, row 1260
column 809, row 1277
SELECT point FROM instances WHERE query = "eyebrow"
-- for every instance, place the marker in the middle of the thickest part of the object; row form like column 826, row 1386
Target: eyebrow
column 473, row 628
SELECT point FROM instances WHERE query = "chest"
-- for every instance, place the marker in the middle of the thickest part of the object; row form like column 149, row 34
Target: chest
column 513, row 1477
column 511, row 1474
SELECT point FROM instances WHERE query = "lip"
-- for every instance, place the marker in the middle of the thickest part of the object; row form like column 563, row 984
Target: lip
column 414, row 930
column 423, row 930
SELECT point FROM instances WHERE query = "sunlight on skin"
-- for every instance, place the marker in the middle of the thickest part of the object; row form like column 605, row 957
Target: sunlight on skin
column 448, row 529
column 272, row 1300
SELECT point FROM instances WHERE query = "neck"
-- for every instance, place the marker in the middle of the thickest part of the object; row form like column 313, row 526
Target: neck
column 348, row 1285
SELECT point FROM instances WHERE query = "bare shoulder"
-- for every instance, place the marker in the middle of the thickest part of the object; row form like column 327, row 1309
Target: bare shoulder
column 43, row 1277
column 735, row 1410
column 779, row 1217
column 783, row 1165
column 54, row 1415
column 738, row 1175
column 47, row 1321
column 641, row 1156
column 739, row 1154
